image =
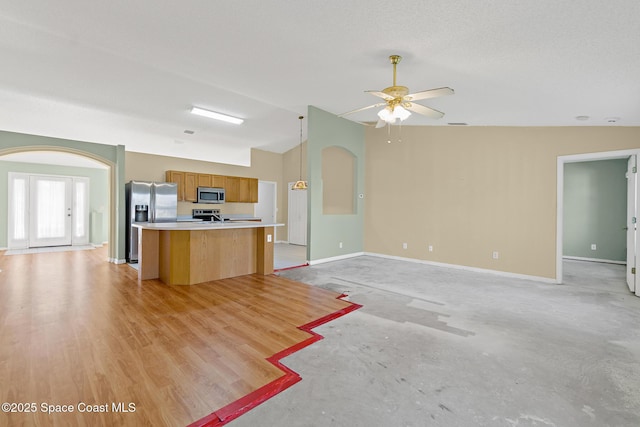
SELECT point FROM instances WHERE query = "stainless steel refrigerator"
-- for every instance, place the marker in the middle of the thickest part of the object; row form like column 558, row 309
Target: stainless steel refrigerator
column 148, row 202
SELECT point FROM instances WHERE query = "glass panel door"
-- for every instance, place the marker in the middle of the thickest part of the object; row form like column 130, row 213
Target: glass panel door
column 18, row 208
column 51, row 211
column 80, row 217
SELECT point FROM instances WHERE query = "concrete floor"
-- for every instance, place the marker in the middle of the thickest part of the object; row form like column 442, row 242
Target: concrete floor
column 287, row 256
column 443, row 347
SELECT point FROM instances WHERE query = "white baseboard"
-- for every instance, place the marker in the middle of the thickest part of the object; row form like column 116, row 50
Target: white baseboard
column 464, row 267
column 606, row 261
column 117, row 261
column 335, row 258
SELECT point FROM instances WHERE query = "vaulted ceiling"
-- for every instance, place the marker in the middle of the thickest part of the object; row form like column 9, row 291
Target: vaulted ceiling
column 128, row 72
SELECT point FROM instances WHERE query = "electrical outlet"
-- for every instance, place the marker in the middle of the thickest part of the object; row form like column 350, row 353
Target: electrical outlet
column 430, row 248
column 593, row 246
column 340, row 245
column 495, row 255
column 269, row 238
column 404, row 246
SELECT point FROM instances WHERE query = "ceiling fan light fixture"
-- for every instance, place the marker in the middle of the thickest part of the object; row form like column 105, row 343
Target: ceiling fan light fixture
column 217, row 116
column 399, row 103
column 391, row 115
column 387, row 115
column 401, row 113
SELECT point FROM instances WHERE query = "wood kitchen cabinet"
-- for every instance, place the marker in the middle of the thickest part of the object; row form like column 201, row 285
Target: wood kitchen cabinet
column 178, row 178
column 204, row 180
column 253, row 190
column 232, row 189
column 238, row 189
column 218, row 181
column 241, row 190
column 190, row 186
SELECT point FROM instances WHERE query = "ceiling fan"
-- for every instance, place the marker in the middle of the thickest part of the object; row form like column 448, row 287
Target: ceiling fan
column 398, row 102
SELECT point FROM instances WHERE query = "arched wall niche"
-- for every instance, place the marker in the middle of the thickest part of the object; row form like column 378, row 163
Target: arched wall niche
column 339, row 167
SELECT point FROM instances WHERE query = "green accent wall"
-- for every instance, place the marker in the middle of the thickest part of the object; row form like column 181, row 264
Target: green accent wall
column 595, row 209
column 325, row 232
column 111, row 155
column 98, row 195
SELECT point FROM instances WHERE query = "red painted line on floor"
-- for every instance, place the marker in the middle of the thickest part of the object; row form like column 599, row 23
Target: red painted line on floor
column 233, row 410
column 306, row 264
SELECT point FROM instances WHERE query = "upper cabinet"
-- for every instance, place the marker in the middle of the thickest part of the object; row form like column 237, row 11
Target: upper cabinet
column 218, row 181
column 190, row 187
column 178, row 178
column 237, row 189
column 204, row 180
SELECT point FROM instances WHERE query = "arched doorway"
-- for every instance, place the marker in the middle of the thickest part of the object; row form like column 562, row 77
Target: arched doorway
column 112, row 196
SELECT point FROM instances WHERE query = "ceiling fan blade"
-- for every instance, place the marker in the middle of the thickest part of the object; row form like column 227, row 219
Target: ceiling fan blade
column 362, row 109
column 380, row 94
column 425, row 111
column 431, row 93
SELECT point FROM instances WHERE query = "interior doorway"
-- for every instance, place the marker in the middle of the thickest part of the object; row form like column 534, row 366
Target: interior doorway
column 297, row 214
column 266, row 208
column 633, row 196
column 110, row 196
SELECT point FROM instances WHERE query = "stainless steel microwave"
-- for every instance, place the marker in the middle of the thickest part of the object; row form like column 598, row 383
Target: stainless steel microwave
column 210, row 195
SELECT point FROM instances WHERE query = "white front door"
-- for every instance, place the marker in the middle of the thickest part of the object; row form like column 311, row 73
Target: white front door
column 47, row 210
column 51, row 208
column 297, row 216
column 632, row 188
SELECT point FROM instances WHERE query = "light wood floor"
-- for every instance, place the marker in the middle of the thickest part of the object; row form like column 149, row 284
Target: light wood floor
column 75, row 329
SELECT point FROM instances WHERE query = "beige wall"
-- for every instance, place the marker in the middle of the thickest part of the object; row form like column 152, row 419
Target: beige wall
column 266, row 166
column 469, row 191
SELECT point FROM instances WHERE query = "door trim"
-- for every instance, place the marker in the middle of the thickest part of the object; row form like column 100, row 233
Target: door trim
column 574, row 158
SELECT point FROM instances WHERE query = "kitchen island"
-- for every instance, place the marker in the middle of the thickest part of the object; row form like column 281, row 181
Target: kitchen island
column 187, row 253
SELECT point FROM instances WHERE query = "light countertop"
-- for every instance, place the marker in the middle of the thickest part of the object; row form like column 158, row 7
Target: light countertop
column 203, row 225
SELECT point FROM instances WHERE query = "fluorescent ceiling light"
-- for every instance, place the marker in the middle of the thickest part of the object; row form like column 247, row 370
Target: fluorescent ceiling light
column 217, row 116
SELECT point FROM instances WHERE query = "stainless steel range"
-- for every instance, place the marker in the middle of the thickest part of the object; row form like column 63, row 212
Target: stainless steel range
column 207, row 214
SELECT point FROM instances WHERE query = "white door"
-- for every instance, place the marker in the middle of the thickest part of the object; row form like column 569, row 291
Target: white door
column 632, row 186
column 80, row 215
column 51, row 209
column 266, row 206
column 297, row 224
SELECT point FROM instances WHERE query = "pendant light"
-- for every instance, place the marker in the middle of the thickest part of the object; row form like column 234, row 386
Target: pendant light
column 300, row 184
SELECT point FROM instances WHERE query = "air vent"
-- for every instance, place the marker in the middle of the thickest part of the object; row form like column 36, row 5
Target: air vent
column 189, row 132
column 457, row 124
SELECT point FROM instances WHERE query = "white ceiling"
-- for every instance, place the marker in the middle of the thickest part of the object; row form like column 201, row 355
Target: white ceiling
column 123, row 72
